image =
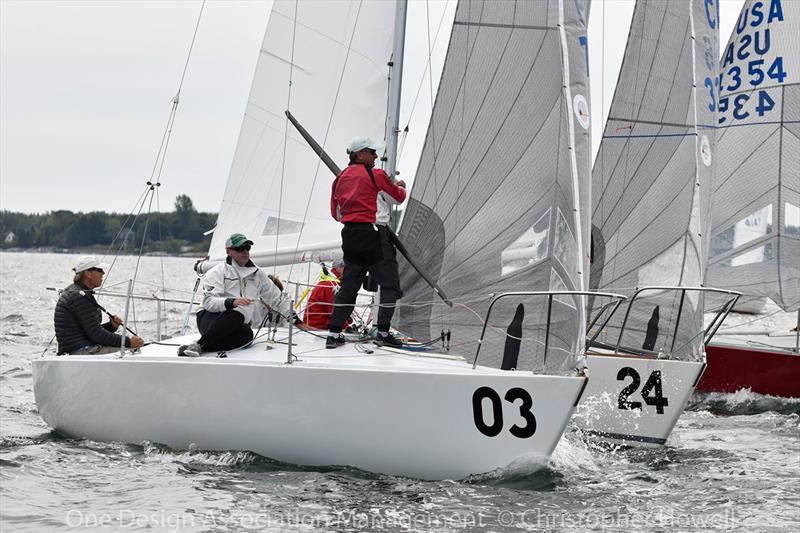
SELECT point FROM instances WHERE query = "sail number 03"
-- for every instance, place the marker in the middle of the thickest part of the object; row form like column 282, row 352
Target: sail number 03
column 652, row 392
column 494, row 429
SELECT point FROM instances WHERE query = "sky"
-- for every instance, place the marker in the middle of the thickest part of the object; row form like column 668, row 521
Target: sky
column 86, row 89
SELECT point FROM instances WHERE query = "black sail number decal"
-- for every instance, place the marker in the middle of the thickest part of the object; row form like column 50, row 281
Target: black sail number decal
column 523, row 432
column 497, row 411
column 496, row 426
column 653, row 386
column 623, row 401
column 652, row 392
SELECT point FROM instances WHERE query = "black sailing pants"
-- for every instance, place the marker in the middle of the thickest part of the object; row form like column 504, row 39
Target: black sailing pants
column 367, row 248
column 222, row 331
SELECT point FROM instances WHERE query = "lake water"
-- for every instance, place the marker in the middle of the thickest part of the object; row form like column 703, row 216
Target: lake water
column 732, row 463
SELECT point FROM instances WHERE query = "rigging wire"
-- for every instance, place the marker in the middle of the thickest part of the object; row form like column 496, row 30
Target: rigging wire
column 155, row 177
column 141, row 249
column 427, row 70
column 161, row 257
column 124, row 224
column 461, row 142
column 140, row 203
column 430, row 87
column 285, row 143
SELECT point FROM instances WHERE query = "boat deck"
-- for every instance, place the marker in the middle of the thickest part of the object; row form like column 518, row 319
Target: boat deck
column 308, row 350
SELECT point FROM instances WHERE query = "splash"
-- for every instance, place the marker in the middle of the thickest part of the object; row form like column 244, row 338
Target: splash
column 161, row 454
column 743, row 402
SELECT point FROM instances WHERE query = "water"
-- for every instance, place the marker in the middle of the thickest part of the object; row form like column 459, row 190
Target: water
column 732, row 463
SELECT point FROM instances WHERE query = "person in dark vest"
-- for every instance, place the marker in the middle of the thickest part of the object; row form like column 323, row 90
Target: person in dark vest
column 78, row 316
column 361, row 198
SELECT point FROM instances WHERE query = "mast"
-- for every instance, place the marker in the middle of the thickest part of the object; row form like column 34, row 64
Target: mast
column 395, row 86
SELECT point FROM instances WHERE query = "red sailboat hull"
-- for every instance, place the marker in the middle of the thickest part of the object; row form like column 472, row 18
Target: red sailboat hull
column 731, row 368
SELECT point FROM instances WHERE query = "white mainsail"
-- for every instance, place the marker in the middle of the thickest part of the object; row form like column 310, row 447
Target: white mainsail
column 652, row 176
column 336, row 84
column 755, row 243
column 500, row 196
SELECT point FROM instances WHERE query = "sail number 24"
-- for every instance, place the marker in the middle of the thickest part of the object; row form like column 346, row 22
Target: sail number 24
column 652, row 392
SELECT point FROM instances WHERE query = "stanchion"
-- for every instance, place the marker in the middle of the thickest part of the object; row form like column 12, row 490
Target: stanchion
column 125, row 319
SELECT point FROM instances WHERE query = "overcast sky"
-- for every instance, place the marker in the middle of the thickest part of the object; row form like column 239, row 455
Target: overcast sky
column 86, row 90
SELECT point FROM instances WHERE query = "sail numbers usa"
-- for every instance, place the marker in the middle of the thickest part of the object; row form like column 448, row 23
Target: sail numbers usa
column 744, row 82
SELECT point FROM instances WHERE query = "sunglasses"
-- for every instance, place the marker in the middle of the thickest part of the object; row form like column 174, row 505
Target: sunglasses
column 245, row 248
column 97, row 270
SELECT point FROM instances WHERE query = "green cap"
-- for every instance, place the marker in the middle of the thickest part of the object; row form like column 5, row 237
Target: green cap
column 236, row 240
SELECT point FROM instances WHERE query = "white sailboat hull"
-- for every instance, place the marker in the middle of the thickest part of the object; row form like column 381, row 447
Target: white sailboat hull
column 615, row 408
column 387, row 412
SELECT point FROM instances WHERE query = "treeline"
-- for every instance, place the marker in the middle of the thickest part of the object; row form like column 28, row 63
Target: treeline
column 171, row 232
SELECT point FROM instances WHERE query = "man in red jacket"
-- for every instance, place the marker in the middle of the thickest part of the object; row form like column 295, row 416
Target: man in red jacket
column 360, row 198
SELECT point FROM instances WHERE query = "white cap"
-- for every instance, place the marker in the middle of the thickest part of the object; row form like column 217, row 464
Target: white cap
column 85, row 262
column 362, row 143
column 337, row 263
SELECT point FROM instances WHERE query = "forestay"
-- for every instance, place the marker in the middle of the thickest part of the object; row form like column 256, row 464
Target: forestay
column 500, row 197
column 755, row 244
column 327, row 63
column 652, row 176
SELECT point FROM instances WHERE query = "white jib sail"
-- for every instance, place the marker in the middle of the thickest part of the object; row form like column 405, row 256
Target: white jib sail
column 327, row 63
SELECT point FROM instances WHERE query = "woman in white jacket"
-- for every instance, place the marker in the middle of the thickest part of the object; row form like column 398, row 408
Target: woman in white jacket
column 237, row 295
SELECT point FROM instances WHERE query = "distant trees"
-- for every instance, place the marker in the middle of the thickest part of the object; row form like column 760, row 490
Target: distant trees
column 166, row 232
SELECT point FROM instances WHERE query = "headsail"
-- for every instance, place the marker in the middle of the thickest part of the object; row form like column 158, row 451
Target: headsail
column 500, row 197
column 755, row 243
column 327, row 63
column 652, row 176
